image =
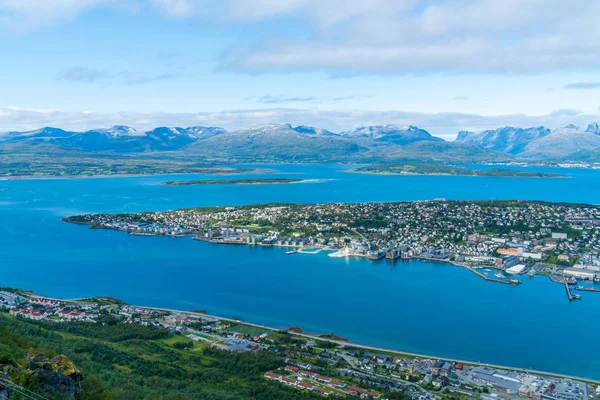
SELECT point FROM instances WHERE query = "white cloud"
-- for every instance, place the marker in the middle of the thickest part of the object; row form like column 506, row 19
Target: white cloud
column 140, row 78
column 90, row 75
column 582, row 85
column 280, row 98
column 410, row 36
column 445, row 125
column 345, row 37
column 565, row 112
column 522, row 36
column 82, row 74
column 23, row 15
column 175, row 8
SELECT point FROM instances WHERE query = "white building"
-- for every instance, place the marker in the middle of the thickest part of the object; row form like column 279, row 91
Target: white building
column 579, row 273
column 516, row 269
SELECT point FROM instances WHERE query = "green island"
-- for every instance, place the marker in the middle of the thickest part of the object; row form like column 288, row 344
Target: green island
column 257, row 181
column 441, row 169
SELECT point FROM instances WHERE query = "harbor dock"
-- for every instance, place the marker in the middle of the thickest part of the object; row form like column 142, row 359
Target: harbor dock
column 570, row 295
column 487, row 278
column 587, row 289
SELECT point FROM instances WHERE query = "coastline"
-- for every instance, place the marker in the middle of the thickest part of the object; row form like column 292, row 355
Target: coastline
column 250, row 181
column 337, row 253
column 379, row 191
column 297, row 331
column 67, row 177
column 349, row 171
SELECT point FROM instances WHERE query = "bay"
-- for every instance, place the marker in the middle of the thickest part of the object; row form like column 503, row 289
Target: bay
column 431, row 308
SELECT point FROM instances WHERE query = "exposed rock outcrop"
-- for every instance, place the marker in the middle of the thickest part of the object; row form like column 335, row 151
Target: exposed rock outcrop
column 58, row 373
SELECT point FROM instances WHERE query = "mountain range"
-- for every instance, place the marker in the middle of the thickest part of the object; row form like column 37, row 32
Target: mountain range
column 284, row 142
column 539, row 143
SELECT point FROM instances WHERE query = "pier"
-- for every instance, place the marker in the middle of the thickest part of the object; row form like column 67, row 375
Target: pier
column 307, row 251
column 569, row 295
column 485, row 277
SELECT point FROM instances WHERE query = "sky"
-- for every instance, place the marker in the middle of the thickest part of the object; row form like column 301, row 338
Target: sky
column 443, row 65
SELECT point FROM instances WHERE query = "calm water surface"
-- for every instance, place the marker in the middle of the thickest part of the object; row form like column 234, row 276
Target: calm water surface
column 413, row 306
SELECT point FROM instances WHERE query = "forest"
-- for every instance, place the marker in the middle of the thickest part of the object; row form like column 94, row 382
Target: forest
column 123, row 361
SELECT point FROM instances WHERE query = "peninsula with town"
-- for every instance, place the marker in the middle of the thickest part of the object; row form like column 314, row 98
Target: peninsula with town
column 497, row 240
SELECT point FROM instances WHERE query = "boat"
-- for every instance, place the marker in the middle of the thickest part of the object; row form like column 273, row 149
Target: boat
column 514, row 281
column 487, row 270
column 587, row 289
column 500, row 275
column 576, row 296
column 291, row 252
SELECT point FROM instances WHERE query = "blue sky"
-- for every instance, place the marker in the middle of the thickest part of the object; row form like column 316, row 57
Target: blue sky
column 444, row 65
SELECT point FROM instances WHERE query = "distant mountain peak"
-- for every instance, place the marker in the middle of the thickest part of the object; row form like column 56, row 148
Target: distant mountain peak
column 464, row 135
column 571, row 126
column 400, row 135
column 45, row 132
column 594, row 128
column 204, row 132
column 48, row 129
column 508, row 139
column 122, row 128
column 266, row 127
column 117, row 131
column 311, row 130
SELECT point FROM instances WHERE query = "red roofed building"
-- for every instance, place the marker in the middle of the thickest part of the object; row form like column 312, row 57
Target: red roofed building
column 75, row 315
column 289, row 381
column 290, row 368
column 308, row 373
column 355, row 390
column 304, row 385
column 323, row 378
column 323, row 391
column 271, row 375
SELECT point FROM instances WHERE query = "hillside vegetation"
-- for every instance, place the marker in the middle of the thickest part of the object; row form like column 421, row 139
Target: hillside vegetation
column 120, row 361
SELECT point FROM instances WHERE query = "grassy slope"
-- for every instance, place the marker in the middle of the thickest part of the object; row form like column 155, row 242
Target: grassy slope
column 126, row 362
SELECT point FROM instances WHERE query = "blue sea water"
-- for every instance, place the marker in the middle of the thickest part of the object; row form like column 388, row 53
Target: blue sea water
column 415, row 306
